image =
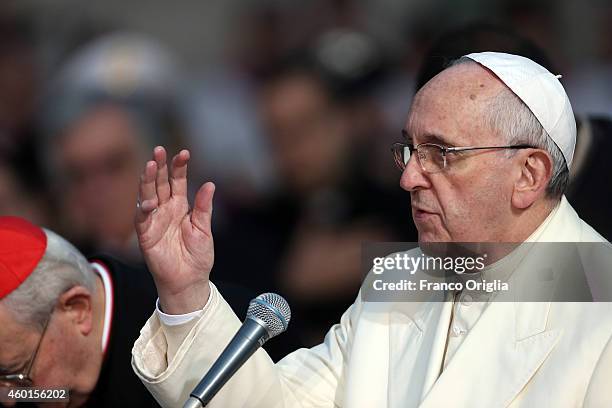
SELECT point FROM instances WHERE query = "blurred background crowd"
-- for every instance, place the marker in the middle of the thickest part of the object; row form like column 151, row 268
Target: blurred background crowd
column 289, row 107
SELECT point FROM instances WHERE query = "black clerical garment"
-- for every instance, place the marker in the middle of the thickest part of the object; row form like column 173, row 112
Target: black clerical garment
column 134, row 297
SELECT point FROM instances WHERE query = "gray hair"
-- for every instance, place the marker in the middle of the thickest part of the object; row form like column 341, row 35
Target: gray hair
column 509, row 115
column 61, row 268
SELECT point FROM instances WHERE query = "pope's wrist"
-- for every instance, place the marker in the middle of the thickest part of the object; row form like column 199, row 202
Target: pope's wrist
column 186, row 301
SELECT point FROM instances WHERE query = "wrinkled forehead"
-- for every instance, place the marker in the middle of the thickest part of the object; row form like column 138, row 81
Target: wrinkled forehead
column 465, row 77
column 454, row 104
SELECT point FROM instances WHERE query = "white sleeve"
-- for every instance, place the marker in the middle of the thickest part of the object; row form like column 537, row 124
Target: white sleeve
column 304, row 378
column 175, row 320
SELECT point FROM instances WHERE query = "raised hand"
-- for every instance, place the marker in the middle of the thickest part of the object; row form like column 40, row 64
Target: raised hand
column 177, row 243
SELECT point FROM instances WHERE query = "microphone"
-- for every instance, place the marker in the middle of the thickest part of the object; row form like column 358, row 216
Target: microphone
column 268, row 316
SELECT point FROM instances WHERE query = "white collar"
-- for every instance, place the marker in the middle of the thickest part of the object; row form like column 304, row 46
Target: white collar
column 107, row 282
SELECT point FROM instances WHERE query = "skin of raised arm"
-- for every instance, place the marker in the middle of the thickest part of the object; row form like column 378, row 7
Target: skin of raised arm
column 176, row 240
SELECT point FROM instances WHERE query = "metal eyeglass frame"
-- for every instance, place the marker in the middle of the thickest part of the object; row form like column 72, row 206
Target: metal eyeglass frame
column 23, row 379
column 398, row 147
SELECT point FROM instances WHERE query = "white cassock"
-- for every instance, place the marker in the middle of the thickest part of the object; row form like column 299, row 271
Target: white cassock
column 454, row 353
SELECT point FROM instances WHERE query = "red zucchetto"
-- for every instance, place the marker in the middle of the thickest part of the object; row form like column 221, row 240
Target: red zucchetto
column 22, row 245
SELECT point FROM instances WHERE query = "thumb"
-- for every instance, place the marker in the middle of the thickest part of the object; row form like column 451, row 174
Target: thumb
column 201, row 215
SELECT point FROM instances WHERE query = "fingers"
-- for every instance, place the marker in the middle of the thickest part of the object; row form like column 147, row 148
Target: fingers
column 201, row 215
column 147, row 193
column 161, row 181
column 178, row 176
column 156, row 187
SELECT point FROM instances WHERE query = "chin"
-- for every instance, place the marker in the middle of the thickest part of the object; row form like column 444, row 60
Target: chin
column 426, row 239
column 429, row 235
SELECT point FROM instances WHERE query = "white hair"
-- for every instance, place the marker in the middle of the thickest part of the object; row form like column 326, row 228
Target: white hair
column 515, row 121
column 61, row 268
column 509, row 115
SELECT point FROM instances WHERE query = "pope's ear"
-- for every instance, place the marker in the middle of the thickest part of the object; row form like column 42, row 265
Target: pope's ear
column 533, row 175
column 75, row 306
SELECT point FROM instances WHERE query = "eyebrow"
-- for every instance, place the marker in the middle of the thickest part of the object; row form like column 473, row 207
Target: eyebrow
column 428, row 138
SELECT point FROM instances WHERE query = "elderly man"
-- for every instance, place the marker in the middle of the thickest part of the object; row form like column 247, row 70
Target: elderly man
column 66, row 322
column 494, row 137
column 70, row 323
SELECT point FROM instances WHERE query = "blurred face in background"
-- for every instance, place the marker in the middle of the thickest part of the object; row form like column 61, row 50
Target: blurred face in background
column 307, row 132
column 98, row 158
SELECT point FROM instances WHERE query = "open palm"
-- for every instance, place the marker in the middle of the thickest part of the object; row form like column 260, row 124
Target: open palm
column 177, row 243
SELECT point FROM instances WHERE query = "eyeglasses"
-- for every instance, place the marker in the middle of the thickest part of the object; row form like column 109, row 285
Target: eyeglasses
column 433, row 157
column 24, row 379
